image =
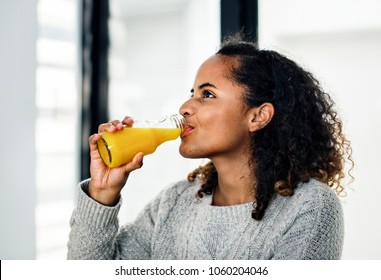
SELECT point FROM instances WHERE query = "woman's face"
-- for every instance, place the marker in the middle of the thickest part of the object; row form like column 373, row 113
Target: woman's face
column 215, row 113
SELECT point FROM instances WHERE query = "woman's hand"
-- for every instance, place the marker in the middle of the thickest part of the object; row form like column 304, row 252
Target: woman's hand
column 106, row 183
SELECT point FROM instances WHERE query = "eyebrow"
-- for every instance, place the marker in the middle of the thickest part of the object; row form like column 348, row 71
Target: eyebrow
column 204, row 85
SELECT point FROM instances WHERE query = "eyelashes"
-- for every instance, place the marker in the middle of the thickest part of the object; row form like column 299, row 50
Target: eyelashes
column 207, row 94
column 204, row 94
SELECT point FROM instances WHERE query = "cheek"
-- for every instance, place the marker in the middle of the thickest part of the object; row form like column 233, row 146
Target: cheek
column 228, row 125
column 224, row 132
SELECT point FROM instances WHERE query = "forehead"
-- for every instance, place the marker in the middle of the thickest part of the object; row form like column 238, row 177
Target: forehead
column 217, row 70
column 217, row 66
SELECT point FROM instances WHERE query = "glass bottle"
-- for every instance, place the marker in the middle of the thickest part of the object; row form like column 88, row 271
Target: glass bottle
column 120, row 147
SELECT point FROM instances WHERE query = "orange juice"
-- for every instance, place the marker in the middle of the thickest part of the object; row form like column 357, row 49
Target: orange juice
column 120, row 147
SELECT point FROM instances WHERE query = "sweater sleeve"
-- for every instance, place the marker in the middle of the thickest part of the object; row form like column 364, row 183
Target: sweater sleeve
column 317, row 231
column 95, row 231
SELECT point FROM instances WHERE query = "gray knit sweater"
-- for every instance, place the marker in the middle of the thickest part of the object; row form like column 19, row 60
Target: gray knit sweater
column 177, row 225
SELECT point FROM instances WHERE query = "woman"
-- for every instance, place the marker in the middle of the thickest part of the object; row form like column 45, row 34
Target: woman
column 276, row 151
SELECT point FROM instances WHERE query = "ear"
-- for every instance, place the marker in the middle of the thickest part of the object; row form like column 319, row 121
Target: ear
column 260, row 116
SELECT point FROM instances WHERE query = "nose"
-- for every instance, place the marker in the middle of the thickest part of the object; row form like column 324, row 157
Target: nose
column 187, row 109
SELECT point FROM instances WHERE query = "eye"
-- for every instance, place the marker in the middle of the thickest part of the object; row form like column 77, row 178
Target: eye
column 208, row 94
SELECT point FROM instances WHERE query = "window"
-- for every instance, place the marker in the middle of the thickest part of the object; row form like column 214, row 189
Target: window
column 56, row 124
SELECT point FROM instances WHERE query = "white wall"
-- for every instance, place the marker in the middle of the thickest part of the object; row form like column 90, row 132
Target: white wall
column 17, row 115
column 340, row 42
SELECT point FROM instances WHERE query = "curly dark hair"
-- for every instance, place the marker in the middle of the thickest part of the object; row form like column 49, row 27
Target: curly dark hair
column 303, row 140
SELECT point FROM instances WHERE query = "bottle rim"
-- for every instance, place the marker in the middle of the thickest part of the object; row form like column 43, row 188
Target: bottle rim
column 179, row 121
column 102, row 148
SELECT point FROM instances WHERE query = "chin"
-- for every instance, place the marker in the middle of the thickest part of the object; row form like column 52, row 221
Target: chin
column 189, row 154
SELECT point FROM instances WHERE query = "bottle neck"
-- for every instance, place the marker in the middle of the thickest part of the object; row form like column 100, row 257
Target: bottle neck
column 170, row 121
column 169, row 128
column 177, row 121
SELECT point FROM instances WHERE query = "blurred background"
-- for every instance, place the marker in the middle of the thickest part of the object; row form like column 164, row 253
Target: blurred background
column 68, row 65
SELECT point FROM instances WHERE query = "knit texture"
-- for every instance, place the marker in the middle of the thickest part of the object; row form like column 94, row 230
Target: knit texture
column 177, row 225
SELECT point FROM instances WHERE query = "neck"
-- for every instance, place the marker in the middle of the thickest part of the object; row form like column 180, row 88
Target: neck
column 235, row 183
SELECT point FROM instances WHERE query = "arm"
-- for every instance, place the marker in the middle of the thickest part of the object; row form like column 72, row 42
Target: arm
column 93, row 228
column 94, row 231
column 316, row 232
column 94, row 223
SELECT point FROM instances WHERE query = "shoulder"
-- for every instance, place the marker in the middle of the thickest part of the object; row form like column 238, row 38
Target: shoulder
column 312, row 199
column 317, row 194
column 309, row 224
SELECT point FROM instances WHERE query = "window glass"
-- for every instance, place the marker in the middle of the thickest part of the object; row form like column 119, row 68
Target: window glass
column 56, row 124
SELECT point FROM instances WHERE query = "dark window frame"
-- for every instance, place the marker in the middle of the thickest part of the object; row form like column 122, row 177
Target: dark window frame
column 95, row 46
column 239, row 15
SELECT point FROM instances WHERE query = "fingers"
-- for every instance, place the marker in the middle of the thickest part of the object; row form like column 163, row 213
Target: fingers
column 136, row 163
column 115, row 125
column 128, row 121
column 110, row 126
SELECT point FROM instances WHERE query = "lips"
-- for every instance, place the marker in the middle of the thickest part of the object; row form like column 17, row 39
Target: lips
column 187, row 130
